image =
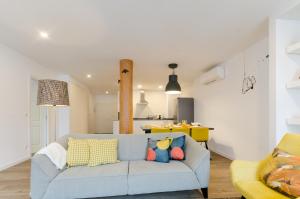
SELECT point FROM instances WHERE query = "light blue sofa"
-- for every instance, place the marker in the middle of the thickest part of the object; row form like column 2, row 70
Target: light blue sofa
column 133, row 175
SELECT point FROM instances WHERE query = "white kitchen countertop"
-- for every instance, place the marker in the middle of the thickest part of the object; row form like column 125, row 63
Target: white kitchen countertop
column 137, row 124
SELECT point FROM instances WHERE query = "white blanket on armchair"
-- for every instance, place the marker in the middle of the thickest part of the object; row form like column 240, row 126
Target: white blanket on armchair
column 56, row 153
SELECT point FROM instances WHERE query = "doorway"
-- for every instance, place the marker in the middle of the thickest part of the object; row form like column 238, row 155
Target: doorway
column 38, row 120
column 106, row 108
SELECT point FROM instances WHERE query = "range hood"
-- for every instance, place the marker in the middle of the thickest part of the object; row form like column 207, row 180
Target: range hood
column 142, row 101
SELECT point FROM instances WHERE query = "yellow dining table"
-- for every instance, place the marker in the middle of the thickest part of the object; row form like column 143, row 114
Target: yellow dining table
column 199, row 133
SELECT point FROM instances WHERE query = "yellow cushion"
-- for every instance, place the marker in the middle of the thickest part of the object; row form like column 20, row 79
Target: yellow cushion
column 78, row 153
column 282, row 173
column 200, row 134
column 103, row 151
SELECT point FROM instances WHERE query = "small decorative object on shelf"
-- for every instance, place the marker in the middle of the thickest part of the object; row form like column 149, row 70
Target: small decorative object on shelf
column 293, row 84
column 293, row 49
column 293, row 121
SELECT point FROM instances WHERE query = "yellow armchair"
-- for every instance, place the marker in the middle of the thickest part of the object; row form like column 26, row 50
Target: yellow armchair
column 245, row 174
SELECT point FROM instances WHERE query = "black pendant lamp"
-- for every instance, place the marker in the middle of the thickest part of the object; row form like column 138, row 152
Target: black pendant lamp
column 173, row 86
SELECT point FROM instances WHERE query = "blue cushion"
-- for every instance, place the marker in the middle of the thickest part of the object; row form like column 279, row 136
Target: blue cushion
column 177, row 148
column 158, row 150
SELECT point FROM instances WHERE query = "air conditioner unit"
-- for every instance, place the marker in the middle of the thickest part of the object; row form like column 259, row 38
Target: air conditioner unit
column 214, row 74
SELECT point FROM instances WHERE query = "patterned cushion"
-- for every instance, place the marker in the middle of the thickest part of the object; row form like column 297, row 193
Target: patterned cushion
column 282, row 173
column 78, row 152
column 103, row 152
column 158, row 150
column 177, row 148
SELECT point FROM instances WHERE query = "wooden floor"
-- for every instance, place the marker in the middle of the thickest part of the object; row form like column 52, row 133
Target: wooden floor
column 14, row 183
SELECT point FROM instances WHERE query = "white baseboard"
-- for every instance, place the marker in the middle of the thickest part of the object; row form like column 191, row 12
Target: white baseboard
column 223, row 154
column 14, row 163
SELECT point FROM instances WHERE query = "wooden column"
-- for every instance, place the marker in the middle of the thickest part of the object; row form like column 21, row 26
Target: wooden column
column 126, row 106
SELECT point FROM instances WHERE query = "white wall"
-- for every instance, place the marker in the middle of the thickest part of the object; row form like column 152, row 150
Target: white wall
column 79, row 117
column 16, row 71
column 79, row 107
column 159, row 103
column 240, row 121
column 106, row 110
column 92, row 114
column 273, row 50
column 285, row 68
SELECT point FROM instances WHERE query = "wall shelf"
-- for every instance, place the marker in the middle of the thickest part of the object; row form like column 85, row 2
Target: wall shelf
column 294, row 48
column 293, row 84
column 293, row 121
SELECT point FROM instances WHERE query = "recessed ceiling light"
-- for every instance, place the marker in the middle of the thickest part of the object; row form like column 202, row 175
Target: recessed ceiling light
column 160, row 86
column 44, row 35
column 88, row 76
column 106, row 92
column 139, row 86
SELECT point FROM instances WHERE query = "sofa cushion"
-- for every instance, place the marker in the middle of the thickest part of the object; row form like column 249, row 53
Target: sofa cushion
column 177, row 148
column 103, row 151
column 282, row 173
column 88, row 182
column 130, row 147
column 158, row 150
column 78, row 153
column 150, row 177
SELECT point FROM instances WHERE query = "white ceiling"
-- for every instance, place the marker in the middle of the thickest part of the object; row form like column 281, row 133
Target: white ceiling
column 90, row 36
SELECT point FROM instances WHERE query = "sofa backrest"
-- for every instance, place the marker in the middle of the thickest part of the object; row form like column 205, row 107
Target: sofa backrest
column 130, row 146
column 290, row 143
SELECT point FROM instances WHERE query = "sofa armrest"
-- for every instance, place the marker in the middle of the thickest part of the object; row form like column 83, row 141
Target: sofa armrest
column 198, row 159
column 43, row 171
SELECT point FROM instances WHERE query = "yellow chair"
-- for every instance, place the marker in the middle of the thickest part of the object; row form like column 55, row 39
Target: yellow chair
column 185, row 130
column 245, row 174
column 160, row 130
column 200, row 134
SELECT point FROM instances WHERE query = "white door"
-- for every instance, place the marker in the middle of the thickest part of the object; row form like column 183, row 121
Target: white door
column 38, row 121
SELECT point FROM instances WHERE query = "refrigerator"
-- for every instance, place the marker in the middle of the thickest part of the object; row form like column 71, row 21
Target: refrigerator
column 185, row 109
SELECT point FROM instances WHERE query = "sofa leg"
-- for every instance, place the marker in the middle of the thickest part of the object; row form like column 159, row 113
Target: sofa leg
column 243, row 197
column 204, row 192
